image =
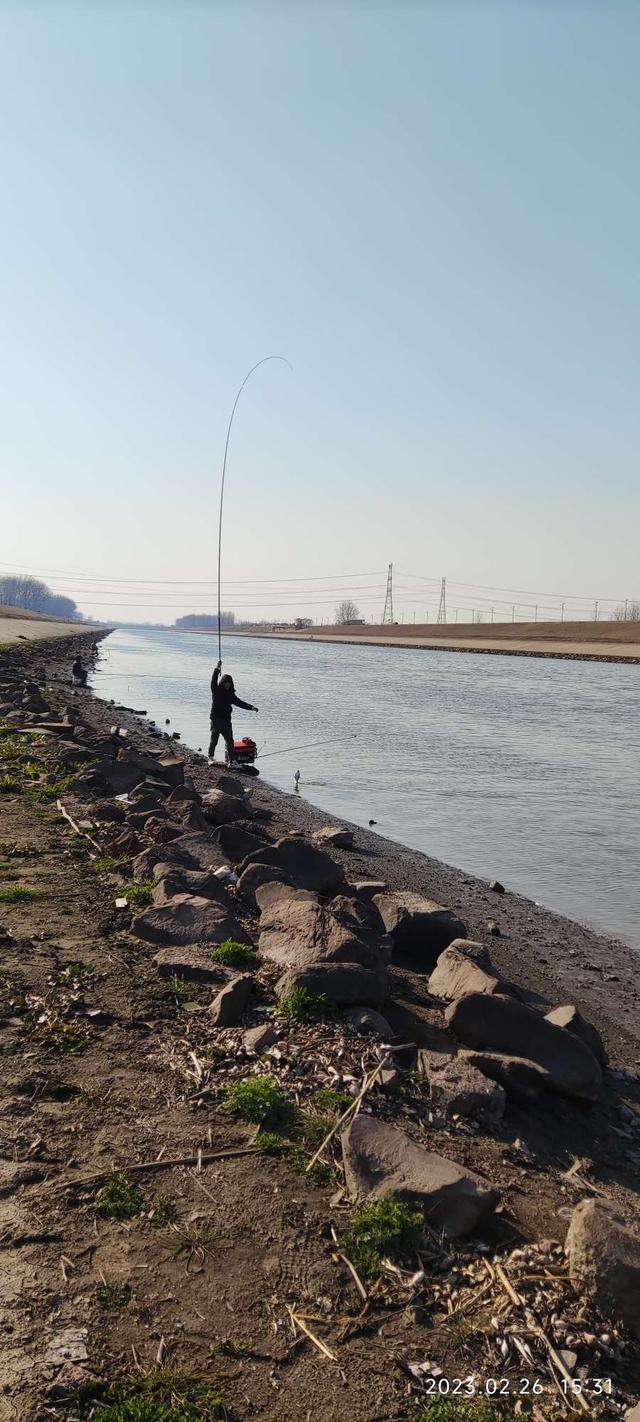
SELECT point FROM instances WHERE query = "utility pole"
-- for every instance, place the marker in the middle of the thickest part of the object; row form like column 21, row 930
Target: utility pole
column 492, row 614
column 536, row 616
column 442, row 610
column 456, row 614
column 595, row 611
column 387, row 616
column 626, row 602
column 513, row 612
column 562, row 613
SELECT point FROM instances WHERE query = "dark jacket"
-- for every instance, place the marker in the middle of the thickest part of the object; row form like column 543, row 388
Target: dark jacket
column 223, row 700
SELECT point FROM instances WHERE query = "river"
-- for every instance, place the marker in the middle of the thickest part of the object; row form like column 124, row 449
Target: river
column 516, row 768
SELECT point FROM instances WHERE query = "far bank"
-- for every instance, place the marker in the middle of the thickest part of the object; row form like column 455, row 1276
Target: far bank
column 574, row 641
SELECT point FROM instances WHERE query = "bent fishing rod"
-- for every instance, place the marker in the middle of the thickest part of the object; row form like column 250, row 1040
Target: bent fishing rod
column 224, row 470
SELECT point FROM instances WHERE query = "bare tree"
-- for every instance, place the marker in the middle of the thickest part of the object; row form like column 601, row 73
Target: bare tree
column 34, row 596
column 347, row 611
column 627, row 612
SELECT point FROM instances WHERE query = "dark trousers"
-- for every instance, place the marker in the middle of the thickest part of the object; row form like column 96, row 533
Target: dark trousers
column 224, row 729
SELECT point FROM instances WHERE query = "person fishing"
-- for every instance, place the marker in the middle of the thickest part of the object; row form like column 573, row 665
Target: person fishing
column 223, row 695
column 78, row 673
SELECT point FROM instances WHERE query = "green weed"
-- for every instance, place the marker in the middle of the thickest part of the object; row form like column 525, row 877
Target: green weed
column 329, row 1099
column 113, row 1296
column 163, row 1212
column 66, row 1037
column 8, row 786
column 139, row 895
column 386, row 1229
column 106, row 865
column 262, row 1101
column 119, row 1199
column 301, row 1005
column 177, row 988
column 164, row 1395
column 42, row 794
column 19, row 894
column 74, row 976
column 15, row 850
column 235, row 955
column 78, row 846
column 270, row 1143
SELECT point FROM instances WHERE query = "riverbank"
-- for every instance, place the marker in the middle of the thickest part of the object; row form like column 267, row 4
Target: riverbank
column 17, row 626
column 573, row 641
column 117, row 1069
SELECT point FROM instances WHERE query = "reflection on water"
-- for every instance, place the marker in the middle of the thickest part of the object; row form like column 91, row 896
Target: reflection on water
column 510, row 767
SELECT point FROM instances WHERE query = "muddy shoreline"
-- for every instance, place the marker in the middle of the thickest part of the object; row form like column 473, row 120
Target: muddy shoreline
column 551, row 956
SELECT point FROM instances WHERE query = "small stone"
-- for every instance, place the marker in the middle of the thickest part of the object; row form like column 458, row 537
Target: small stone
column 71, row 1378
column 229, row 1004
column 496, row 886
column 259, row 1039
column 493, row 929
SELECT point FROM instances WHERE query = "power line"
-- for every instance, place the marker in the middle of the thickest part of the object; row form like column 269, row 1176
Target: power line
column 192, row 582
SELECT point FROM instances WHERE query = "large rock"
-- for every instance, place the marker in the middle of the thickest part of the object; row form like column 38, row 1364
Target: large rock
column 296, row 930
column 117, row 775
column 254, row 877
column 366, row 889
column 238, row 842
column 603, row 1248
column 381, row 1160
column 369, row 1023
column 221, row 809
column 573, row 1021
column 457, row 1088
column 337, row 838
column 144, row 864
column 503, row 1025
column 344, row 984
column 187, row 919
column 168, row 768
column 196, row 963
column 418, row 926
column 462, row 968
column 171, row 880
column 523, row 1080
column 308, row 866
column 201, row 851
column 229, row 1004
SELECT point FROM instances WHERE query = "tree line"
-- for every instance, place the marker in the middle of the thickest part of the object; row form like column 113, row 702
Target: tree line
column 34, row 596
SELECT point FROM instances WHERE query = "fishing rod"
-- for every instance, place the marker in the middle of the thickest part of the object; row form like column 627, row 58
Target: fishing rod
column 224, row 470
column 331, row 742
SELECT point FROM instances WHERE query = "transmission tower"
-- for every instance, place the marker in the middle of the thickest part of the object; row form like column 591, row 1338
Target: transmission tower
column 442, row 610
column 387, row 615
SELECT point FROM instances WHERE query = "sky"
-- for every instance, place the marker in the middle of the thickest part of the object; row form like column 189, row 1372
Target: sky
column 430, row 209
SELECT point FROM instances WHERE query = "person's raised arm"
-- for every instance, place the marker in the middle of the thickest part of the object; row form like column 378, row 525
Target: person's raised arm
column 216, row 674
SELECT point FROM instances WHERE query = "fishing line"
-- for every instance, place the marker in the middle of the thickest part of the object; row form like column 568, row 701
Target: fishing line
column 224, row 470
column 333, row 740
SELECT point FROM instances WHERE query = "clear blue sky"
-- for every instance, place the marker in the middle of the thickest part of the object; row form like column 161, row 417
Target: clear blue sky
column 431, row 209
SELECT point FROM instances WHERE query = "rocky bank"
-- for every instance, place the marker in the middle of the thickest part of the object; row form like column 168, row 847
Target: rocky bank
column 297, row 1029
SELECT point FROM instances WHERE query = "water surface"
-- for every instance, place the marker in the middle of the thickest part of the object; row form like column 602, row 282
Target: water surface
column 517, row 768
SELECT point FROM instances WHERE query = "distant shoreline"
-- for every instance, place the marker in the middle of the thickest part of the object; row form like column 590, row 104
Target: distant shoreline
column 591, row 642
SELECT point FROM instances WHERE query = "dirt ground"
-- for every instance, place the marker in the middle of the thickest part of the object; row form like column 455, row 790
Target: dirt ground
column 107, row 1069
